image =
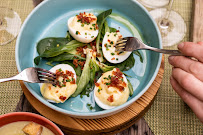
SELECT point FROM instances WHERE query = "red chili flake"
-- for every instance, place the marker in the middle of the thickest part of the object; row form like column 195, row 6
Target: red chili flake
column 60, row 73
column 57, row 91
column 83, row 55
column 117, row 31
column 84, row 47
column 95, row 80
column 124, row 84
column 97, row 84
column 75, row 62
column 109, row 40
column 96, row 27
column 110, row 98
column 62, row 98
column 49, row 87
column 120, row 88
column 113, row 58
column 65, row 76
column 70, row 73
column 79, row 50
column 81, row 63
column 115, row 81
column 117, row 73
column 73, row 81
column 93, row 43
column 84, row 19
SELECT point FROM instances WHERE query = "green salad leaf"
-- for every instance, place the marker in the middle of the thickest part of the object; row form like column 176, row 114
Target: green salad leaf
column 50, row 42
column 66, row 56
column 106, row 27
column 125, row 65
column 93, row 68
column 105, row 67
column 68, row 36
column 138, row 54
column 57, row 50
column 112, row 29
column 130, row 88
column 61, row 49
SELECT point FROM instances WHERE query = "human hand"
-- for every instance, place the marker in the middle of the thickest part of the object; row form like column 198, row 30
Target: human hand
column 187, row 76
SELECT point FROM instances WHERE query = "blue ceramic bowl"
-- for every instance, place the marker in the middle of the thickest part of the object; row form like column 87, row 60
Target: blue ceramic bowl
column 49, row 20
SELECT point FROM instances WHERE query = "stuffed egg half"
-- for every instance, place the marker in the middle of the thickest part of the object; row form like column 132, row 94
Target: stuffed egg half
column 65, row 86
column 109, row 50
column 83, row 27
column 111, row 89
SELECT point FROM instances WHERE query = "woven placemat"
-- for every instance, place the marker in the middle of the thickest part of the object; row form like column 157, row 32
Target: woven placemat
column 169, row 114
column 10, row 91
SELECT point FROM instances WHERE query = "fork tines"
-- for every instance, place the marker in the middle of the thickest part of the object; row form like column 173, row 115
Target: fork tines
column 46, row 76
column 120, row 44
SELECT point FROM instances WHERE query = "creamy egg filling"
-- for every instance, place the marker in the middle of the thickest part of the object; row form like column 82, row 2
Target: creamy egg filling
column 112, row 89
column 84, row 24
column 64, row 88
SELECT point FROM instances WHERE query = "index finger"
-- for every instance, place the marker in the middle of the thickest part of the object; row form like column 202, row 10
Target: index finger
column 192, row 49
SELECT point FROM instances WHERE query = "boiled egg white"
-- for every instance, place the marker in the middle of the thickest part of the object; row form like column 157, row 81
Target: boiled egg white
column 64, row 89
column 109, row 50
column 107, row 96
column 83, row 27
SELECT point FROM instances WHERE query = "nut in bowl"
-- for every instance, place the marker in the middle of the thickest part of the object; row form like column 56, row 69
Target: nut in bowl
column 56, row 40
column 23, row 123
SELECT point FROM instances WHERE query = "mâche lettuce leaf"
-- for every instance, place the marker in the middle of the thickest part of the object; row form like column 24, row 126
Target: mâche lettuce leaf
column 56, row 50
column 50, row 42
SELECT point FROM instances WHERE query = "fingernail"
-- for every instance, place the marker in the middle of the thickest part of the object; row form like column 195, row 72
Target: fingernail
column 180, row 45
column 170, row 58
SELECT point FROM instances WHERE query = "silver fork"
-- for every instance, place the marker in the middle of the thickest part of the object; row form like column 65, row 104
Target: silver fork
column 33, row 75
column 133, row 43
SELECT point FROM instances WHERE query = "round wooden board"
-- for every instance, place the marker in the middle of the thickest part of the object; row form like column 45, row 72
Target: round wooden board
column 108, row 125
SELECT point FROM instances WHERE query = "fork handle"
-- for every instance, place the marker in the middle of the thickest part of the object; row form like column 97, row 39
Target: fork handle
column 165, row 51
column 9, row 79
